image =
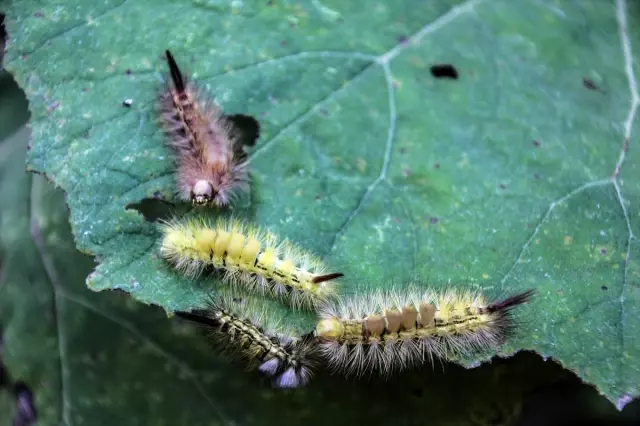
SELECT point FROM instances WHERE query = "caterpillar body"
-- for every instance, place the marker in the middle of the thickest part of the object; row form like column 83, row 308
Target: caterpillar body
column 388, row 331
column 249, row 257
column 238, row 326
column 212, row 167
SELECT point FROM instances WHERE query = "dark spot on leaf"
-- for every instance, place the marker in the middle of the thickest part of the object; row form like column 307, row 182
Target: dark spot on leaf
column 589, row 84
column 444, row 71
column 403, row 39
column 283, row 43
column 503, row 186
column 536, row 144
column 436, row 165
column 270, row 3
column 604, row 288
column 434, row 220
column 403, row 150
column 85, row 89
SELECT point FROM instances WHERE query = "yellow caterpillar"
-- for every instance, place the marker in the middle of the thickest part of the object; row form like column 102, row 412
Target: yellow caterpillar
column 249, row 257
column 391, row 330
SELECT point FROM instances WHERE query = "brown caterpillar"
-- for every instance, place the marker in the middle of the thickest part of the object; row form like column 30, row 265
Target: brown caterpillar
column 392, row 330
column 211, row 164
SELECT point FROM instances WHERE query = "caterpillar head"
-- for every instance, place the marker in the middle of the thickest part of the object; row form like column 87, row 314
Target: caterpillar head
column 214, row 188
column 204, row 193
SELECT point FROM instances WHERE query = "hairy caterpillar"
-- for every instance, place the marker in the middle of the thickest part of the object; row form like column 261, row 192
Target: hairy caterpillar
column 212, row 167
column 236, row 326
column 249, row 257
column 387, row 331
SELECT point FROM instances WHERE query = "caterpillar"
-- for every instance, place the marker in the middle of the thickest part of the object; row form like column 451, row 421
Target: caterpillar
column 212, row 166
column 390, row 330
column 239, row 326
column 249, row 257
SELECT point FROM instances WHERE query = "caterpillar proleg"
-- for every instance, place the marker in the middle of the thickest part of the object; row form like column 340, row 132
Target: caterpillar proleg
column 212, row 167
column 388, row 331
column 238, row 326
column 249, row 257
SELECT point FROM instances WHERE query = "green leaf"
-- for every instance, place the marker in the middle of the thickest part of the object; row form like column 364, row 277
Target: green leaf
column 515, row 175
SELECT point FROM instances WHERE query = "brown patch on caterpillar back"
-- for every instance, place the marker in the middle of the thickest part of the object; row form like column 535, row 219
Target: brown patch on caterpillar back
column 210, row 166
column 392, row 330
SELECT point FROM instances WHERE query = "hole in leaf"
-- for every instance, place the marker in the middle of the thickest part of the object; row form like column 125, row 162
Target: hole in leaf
column 154, row 210
column 246, row 129
column 444, row 71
